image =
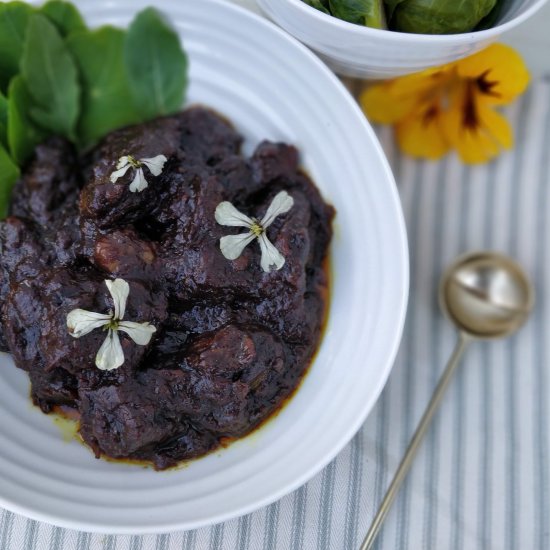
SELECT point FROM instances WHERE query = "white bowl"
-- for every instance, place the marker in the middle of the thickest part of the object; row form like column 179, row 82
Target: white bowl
column 358, row 51
column 239, row 66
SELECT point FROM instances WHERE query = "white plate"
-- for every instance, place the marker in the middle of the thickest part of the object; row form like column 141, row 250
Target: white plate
column 270, row 87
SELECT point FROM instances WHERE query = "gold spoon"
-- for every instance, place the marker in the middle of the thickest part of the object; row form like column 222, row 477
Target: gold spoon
column 486, row 295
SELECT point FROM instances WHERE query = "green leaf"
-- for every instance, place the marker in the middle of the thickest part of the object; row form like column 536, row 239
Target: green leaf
column 318, row 5
column 9, row 174
column 3, row 120
column 107, row 101
column 361, row 12
column 14, row 17
column 156, row 65
column 64, row 15
column 51, row 77
column 440, row 16
column 23, row 135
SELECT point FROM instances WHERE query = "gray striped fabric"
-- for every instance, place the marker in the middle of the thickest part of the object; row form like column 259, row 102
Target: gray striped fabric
column 482, row 480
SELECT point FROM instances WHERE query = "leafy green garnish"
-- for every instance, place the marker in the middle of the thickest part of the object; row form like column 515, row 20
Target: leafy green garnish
column 156, row 65
column 318, row 5
column 107, row 99
column 362, row 12
column 9, row 174
column 14, row 18
column 51, row 77
column 59, row 78
column 23, row 135
column 64, row 15
column 3, row 119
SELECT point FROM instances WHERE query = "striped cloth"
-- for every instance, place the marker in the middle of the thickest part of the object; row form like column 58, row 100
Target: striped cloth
column 482, row 479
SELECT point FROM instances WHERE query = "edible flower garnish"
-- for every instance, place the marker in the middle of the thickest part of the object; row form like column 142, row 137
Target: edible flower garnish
column 139, row 183
column 233, row 245
column 110, row 355
column 453, row 106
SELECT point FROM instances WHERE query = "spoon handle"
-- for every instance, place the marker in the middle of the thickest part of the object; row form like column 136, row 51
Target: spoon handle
column 410, row 453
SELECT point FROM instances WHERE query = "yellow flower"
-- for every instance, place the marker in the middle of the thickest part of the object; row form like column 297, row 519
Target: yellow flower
column 452, row 107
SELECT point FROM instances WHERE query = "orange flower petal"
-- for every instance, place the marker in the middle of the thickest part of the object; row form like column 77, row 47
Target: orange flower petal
column 500, row 70
column 421, row 135
column 382, row 107
column 470, row 87
column 476, row 147
column 421, row 82
column 479, row 136
column 497, row 127
column 390, row 101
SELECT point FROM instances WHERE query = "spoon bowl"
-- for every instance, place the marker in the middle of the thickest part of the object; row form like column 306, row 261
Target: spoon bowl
column 486, row 295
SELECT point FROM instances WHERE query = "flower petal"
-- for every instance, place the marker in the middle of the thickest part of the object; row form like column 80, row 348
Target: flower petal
column 472, row 128
column 421, row 134
column 502, row 70
column 81, row 321
column 122, row 161
column 232, row 246
column 140, row 333
column 281, row 203
column 381, row 107
column 423, row 82
column 155, row 164
column 227, row 214
column 139, row 183
column 270, row 255
column 110, row 355
column 119, row 290
column 497, row 126
column 390, row 101
column 119, row 173
column 472, row 143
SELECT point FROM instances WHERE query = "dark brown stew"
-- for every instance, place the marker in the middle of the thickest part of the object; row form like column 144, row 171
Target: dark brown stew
column 232, row 341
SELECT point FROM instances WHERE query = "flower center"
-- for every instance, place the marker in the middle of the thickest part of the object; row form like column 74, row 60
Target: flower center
column 257, row 228
column 486, row 86
column 470, row 117
column 111, row 325
column 135, row 163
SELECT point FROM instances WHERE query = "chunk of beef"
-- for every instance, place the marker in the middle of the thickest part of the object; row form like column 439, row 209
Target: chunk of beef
column 51, row 388
column 49, row 183
column 122, row 253
column 192, row 255
column 215, row 387
column 206, row 137
column 107, row 203
column 274, row 161
column 36, row 311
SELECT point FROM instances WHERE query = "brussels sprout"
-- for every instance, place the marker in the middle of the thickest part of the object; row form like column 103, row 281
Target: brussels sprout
column 493, row 17
column 318, row 5
column 362, row 12
column 437, row 16
column 390, row 7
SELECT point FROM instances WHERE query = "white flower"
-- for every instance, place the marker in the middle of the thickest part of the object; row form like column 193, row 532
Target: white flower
column 110, row 355
column 139, row 183
column 233, row 245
